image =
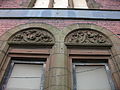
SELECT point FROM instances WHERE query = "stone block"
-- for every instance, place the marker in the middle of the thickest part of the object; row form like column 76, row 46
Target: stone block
column 115, row 49
column 5, row 37
column 1, row 57
column 4, row 47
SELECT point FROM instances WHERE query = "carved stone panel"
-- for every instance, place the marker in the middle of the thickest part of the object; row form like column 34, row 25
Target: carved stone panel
column 33, row 36
column 87, row 37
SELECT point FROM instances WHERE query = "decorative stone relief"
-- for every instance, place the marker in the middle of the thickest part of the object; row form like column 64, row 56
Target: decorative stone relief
column 33, row 36
column 86, row 37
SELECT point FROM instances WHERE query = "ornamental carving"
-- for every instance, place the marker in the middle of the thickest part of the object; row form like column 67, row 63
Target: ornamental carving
column 33, row 36
column 87, row 37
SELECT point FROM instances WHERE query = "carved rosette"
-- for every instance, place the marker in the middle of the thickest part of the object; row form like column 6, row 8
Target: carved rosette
column 33, row 36
column 86, row 37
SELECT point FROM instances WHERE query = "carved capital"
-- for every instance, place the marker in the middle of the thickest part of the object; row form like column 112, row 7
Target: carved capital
column 86, row 37
column 33, row 36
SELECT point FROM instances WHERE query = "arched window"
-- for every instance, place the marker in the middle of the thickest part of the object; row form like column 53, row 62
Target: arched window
column 26, row 61
column 88, row 61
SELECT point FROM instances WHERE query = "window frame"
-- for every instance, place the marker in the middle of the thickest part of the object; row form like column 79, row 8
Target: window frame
column 109, row 75
column 15, row 61
column 24, row 53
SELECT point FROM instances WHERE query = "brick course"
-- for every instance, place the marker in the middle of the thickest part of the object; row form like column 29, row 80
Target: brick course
column 7, row 24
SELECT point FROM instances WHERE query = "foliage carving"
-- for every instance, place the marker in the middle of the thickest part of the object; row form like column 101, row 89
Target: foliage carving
column 87, row 37
column 33, row 36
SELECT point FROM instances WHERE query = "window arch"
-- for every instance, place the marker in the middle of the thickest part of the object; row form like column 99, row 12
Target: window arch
column 83, row 51
column 85, row 43
column 29, row 46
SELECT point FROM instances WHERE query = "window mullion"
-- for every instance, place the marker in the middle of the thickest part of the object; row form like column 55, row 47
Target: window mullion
column 51, row 3
column 70, row 4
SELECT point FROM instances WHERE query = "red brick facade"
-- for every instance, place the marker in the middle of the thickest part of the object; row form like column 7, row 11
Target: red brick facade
column 109, row 4
column 59, row 53
column 12, row 4
column 6, row 24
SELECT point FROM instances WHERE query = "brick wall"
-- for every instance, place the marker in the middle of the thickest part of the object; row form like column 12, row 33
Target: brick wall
column 13, row 3
column 109, row 4
column 7, row 24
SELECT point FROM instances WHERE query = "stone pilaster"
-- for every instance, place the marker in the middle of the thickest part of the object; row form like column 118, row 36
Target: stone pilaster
column 58, row 71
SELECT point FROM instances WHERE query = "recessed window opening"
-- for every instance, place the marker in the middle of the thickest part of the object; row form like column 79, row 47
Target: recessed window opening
column 28, row 59
column 60, row 3
column 25, row 75
column 89, row 61
column 92, row 76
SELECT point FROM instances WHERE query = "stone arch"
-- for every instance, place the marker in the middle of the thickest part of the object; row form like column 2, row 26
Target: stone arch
column 115, row 40
column 72, row 27
column 7, row 35
column 53, row 30
column 112, row 38
column 4, row 39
